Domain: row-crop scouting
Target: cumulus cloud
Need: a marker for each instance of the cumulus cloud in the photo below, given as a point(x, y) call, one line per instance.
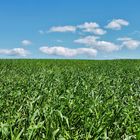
point(92, 27)
point(26, 42)
point(88, 40)
point(93, 42)
point(129, 43)
point(106, 46)
point(117, 24)
point(63, 29)
point(88, 25)
point(14, 52)
point(67, 52)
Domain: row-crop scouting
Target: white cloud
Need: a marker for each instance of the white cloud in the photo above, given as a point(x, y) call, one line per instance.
point(87, 51)
point(106, 46)
point(129, 43)
point(26, 42)
point(99, 31)
point(67, 52)
point(58, 50)
point(93, 42)
point(88, 25)
point(92, 27)
point(63, 29)
point(14, 52)
point(116, 24)
point(88, 40)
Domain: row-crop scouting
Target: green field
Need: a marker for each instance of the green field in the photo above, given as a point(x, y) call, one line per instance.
point(69, 100)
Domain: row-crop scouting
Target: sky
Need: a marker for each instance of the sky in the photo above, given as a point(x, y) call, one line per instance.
point(70, 29)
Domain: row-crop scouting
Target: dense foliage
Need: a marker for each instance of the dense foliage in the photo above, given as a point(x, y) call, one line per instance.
point(69, 100)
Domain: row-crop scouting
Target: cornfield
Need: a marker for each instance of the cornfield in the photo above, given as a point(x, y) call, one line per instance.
point(69, 100)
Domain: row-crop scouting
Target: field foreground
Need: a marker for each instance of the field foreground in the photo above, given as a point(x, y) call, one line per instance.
point(69, 100)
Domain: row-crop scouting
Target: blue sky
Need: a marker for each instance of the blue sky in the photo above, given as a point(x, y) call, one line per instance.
point(72, 29)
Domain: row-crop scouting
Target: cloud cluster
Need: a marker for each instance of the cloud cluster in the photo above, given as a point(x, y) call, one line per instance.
point(92, 27)
point(67, 52)
point(14, 52)
point(129, 43)
point(117, 24)
point(93, 42)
